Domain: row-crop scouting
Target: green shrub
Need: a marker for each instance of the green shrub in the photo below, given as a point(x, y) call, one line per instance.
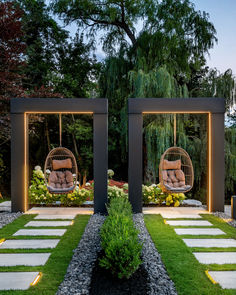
point(154, 194)
point(38, 193)
point(119, 240)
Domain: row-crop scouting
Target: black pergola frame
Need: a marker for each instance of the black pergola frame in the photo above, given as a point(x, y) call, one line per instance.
point(21, 108)
point(213, 107)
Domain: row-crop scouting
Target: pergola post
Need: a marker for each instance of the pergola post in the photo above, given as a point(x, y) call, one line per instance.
point(217, 163)
point(135, 161)
point(19, 162)
point(100, 137)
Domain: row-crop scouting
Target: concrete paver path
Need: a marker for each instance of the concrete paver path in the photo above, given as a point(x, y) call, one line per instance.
point(48, 223)
point(189, 223)
point(216, 257)
point(16, 280)
point(226, 279)
point(40, 232)
point(199, 231)
point(54, 216)
point(29, 244)
point(210, 243)
point(29, 259)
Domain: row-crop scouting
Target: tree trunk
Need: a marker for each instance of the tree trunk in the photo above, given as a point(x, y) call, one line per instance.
point(84, 178)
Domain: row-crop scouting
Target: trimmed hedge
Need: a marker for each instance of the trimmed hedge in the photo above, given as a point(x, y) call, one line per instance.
point(119, 240)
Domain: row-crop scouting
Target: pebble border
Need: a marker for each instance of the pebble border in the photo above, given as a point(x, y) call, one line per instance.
point(78, 277)
point(160, 283)
point(8, 217)
point(226, 218)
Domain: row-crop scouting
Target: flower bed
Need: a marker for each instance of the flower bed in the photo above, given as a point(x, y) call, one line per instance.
point(38, 193)
point(152, 194)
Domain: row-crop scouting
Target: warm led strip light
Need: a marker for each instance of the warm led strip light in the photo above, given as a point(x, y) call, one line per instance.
point(209, 163)
point(2, 241)
point(61, 112)
point(210, 277)
point(178, 112)
point(25, 162)
point(35, 281)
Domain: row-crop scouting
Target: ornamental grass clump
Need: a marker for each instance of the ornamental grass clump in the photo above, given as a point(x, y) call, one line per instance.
point(119, 239)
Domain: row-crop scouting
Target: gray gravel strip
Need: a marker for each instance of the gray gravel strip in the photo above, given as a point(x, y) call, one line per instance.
point(8, 217)
point(78, 277)
point(160, 283)
point(226, 218)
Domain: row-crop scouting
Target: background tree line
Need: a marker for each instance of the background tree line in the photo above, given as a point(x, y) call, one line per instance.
point(165, 58)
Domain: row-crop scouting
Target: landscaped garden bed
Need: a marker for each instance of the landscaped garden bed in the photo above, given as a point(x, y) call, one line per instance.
point(83, 196)
point(103, 282)
point(130, 270)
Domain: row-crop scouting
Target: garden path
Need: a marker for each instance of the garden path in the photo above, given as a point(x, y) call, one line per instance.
point(14, 280)
point(188, 228)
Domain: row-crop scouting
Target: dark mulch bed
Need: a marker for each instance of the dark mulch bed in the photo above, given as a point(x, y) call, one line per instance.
point(103, 283)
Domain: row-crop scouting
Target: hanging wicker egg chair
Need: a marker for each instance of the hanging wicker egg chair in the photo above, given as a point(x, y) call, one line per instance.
point(60, 171)
point(176, 173)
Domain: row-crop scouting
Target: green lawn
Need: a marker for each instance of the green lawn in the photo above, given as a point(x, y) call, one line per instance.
point(186, 272)
point(54, 270)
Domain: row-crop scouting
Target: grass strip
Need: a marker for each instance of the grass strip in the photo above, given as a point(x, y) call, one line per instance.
point(183, 268)
point(54, 270)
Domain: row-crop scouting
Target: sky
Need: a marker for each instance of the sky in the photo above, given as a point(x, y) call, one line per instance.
point(222, 14)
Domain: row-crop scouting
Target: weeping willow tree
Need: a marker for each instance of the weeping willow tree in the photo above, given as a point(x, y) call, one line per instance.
point(158, 129)
point(230, 161)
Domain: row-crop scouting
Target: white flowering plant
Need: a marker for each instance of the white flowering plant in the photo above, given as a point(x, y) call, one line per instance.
point(110, 173)
point(116, 192)
point(38, 193)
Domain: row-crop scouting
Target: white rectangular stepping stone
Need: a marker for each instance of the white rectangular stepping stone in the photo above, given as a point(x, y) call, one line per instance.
point(28, 259)
point(189, 223)
point(29, 244)
point(180, 216)
point(210, 243)
point(226, 279)
point(40, 232)
point(216, 257)
point(48, 223)
point(199, 231)
point(16, 280)
point(54, 216)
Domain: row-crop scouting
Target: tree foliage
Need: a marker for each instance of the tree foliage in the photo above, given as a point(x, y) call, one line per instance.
point(11, 50)
point(43, 38)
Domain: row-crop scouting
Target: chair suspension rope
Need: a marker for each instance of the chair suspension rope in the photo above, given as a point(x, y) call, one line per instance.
point(60, 129)
point(174, 129)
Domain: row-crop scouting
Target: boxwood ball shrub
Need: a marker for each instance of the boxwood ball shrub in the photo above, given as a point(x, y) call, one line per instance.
point(119, 240)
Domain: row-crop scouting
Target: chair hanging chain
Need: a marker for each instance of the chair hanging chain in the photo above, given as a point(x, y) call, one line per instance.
point(60, 128)
point(175, 129)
